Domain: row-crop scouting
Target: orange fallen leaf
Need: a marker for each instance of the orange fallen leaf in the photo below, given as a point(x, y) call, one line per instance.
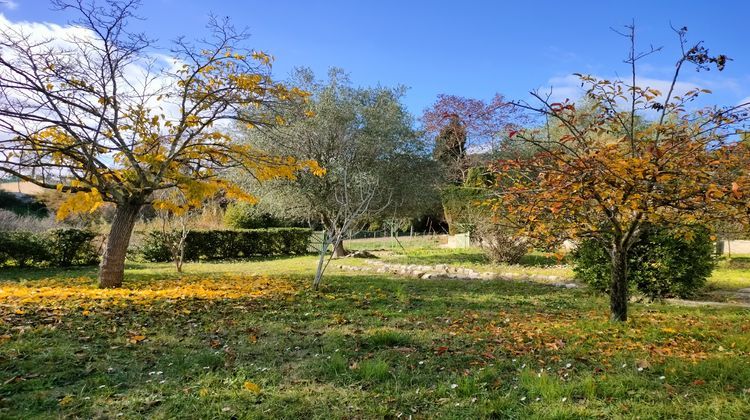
point(252, 387)
point(136, 338)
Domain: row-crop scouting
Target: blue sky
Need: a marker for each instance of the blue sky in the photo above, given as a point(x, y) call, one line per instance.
point(470, 48)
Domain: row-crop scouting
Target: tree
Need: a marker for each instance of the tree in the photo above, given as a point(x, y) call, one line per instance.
point(462, 125)
point(376, 164)
point(633, 157)
point(98, 115)
point(450, 148)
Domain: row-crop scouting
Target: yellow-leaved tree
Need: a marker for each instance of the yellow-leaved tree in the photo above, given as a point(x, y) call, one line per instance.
point(99, 115)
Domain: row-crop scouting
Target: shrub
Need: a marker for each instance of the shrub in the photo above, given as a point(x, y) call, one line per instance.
point(57, 248)
point(22, 249)
point(229, 244)
point(499, 245)
point(70, 246)
point(155, 247)
point(660, 263)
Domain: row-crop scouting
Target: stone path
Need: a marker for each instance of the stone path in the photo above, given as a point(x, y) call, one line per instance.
point(445, 271)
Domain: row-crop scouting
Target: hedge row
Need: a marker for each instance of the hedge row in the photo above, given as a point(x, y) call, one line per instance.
point(228, 244)
point(54, 248)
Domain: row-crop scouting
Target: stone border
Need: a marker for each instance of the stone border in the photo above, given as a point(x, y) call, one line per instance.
point(445, 271)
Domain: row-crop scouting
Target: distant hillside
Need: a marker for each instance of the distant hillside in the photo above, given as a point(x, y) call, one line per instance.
point(22, 187)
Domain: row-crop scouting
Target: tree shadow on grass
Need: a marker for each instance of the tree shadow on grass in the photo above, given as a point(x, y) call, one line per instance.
point(737, 263)
point(540, 260)
point(38, 273)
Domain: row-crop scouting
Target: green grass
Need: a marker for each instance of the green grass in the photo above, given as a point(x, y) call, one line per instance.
point(365, 346)
point(728, 275)
point(731, 274)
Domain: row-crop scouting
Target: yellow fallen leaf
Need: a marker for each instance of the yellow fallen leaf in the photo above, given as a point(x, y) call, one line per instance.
point(203, 392)
point(86, 313)
point(252, 387)
point(136, 338)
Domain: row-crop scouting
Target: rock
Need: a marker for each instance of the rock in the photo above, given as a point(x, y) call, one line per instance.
point(427, 276)
point(360, 254)
point(571, 285)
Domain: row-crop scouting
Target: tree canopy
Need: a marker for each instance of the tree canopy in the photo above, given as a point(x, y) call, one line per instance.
point(364, 139)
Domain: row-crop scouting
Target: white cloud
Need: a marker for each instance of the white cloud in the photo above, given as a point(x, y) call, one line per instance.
point(142, 76)
point(569, 87)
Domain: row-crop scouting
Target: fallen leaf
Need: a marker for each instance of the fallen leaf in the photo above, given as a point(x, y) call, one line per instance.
point(136, 338)
point(252, 387)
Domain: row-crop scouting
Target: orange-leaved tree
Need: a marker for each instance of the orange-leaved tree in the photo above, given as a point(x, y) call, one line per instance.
point(629, 157)
point(98, 114)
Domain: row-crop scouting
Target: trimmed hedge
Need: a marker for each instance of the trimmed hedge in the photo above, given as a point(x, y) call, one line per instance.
point(55, 248)
point(660, 264)
point(229, 244)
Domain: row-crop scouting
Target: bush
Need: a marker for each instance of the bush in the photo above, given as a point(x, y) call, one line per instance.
point(56, 248)
point(241, 215)
point(500, 246)
point(660, 264)
point(69, 246)
point(155, 247)
point(22, 249)
point(229, 244)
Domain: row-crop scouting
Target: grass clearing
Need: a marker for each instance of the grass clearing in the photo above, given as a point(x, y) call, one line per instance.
point(365, 346)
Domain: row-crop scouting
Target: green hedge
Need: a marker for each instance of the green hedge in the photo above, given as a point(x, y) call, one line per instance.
point(660, 264)
point(228, 244)
point(55, 248)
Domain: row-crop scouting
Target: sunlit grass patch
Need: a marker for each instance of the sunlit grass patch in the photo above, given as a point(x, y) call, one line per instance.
point(83, 291)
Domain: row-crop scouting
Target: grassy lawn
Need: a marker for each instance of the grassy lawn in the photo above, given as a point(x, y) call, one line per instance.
point(250, 340)
point(728, 275)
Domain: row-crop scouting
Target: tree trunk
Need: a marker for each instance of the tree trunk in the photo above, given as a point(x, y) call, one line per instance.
point(112, 269)
point(618, 294)
point(339, 250)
